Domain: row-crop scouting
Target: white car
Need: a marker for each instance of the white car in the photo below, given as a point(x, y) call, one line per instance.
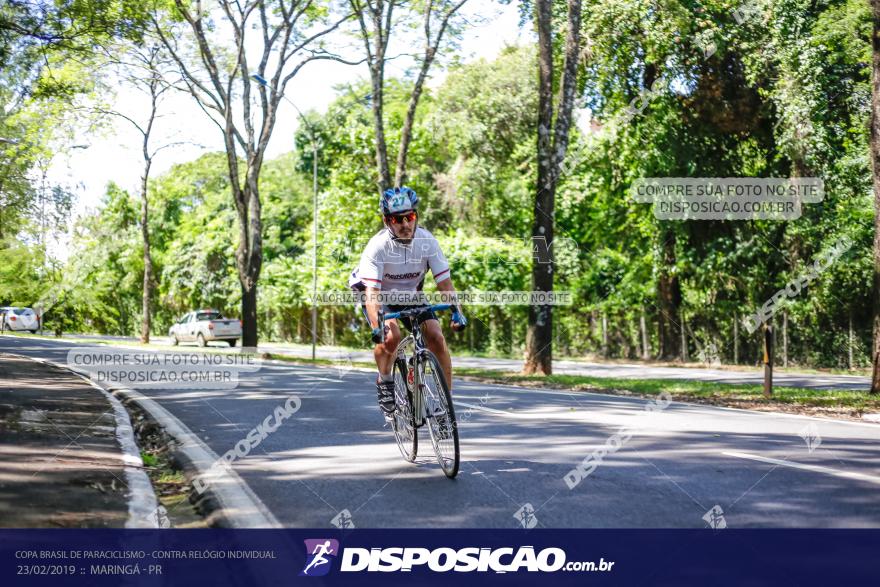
point(20, 319)
point(203, 326)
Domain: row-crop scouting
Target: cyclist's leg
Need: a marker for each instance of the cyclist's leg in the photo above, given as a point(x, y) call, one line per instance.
point(436, 343)
point(385, 353)
point(381, 353)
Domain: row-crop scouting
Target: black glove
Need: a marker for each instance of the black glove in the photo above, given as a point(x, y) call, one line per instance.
point(459, 322)
point(378, 336)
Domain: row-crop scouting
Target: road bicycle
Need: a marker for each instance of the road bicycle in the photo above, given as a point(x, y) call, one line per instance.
point(421, 395)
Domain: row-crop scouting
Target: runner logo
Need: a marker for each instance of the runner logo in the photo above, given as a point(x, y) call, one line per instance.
point(320, 553)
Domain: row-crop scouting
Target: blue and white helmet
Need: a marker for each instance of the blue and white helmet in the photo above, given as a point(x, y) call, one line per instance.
point(397, 200)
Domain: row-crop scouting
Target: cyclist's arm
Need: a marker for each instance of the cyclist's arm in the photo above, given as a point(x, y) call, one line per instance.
point(446, 286)
point(372, 304)
point(370, 274)
point(437, 263)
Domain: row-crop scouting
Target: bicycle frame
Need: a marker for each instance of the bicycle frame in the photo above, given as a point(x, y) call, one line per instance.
point(418, 400)
point(420, 409)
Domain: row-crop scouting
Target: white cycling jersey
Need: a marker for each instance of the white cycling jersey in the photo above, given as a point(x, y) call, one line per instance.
point(390, 265)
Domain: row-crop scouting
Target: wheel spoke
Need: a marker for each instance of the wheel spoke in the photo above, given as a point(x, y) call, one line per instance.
point(441, 422)
point(402, 421)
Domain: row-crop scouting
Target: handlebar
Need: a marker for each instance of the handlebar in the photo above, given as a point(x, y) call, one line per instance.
point(413, 312)
point(409, 313)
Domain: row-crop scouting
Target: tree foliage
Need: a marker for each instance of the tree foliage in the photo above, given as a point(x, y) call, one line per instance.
point(689, 90)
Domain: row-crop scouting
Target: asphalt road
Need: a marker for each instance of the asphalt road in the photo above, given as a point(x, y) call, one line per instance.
point(676, 465)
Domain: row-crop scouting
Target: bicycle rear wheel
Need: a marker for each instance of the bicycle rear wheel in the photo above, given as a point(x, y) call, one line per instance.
point(441, 413)
point(403, 421)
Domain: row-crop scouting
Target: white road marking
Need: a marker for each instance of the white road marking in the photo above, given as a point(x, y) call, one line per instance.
point(471, 386)
point(553, 413)
point(813, 468)
point(648, 423)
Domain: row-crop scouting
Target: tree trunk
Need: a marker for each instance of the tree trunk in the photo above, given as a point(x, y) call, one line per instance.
point(539, 338)
point(249, 256)
point(604, 336)
point(409, 121)
point(249, 317)
point(736, 340)
point(646, 352)
point(851, 343)
point(148, 261)
point(155, 92)
point(375, 37)
point(593, 325)
point(785, 339)
point(684, 343)
point(768, 336)
point(551, 146)
point(431, 46)
point(635, 337)
point(875, 160)
point(384, 174)
point(669, 301)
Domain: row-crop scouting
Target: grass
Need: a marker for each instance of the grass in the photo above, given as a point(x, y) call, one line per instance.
point(149, 460)
point(790, 399)
point(169, 477)
point(855, 402)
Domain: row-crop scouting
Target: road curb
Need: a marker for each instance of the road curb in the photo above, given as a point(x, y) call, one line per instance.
point(230, 501)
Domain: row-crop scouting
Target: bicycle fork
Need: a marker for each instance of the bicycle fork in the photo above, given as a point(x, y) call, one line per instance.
point(413, 380)
point(418, 394)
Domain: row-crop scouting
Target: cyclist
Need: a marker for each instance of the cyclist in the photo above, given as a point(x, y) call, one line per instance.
point(397, 259)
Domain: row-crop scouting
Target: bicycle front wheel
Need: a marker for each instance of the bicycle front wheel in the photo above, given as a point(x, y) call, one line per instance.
point(403, 421)
point(441, 413)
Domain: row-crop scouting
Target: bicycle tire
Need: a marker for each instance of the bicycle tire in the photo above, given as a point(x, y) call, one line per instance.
point(403, 421)
point(443, 430)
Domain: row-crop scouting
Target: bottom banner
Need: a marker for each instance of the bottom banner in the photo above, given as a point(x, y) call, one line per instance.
point(469, 557)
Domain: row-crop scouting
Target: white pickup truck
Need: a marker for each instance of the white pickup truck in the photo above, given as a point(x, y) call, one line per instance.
point(203, 326)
